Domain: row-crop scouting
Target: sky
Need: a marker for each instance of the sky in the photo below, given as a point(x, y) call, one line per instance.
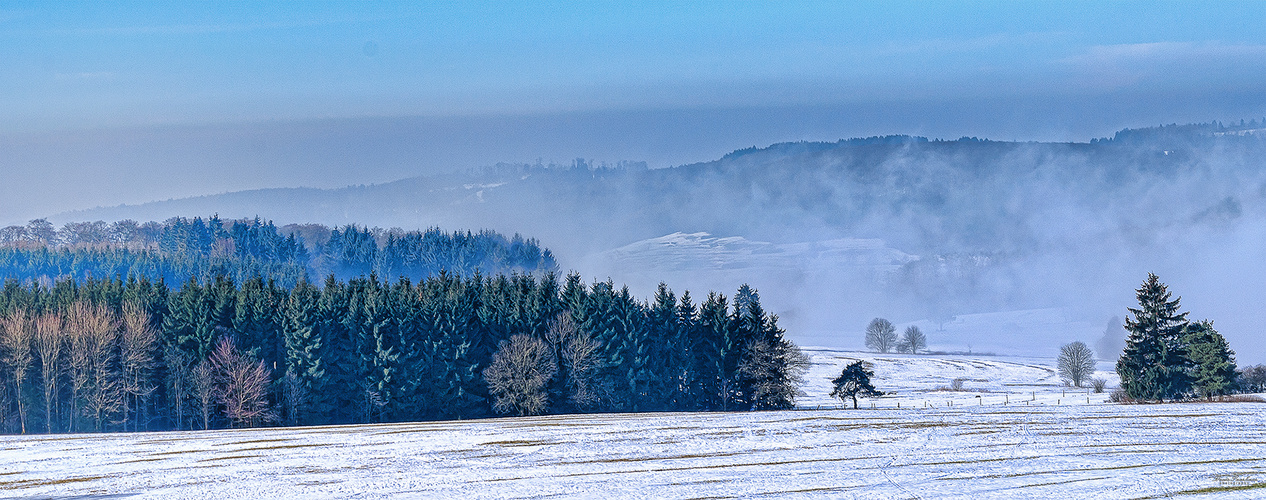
point(113, 102)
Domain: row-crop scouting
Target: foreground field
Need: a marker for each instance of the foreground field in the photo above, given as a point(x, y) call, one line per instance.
point(968, 452)
point(1025, 436)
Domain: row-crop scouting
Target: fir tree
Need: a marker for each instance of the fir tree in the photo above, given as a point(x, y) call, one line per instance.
point(1154, 363)
point(303, 347)
point(1213, 370)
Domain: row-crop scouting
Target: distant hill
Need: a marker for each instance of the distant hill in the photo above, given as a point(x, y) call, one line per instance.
point(989, 225)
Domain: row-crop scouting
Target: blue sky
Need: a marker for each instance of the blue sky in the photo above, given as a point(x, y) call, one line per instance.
point(106, 64)
point(120, 88)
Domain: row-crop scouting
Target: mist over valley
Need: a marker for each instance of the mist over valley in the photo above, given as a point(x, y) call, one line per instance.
point(836, 233)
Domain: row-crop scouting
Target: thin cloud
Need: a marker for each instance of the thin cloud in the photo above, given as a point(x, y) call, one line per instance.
point(1125, 65)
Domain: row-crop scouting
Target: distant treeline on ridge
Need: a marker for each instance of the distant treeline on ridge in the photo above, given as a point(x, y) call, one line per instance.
point(179, 249)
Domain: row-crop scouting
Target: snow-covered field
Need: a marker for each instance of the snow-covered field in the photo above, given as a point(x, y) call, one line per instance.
point(1053, 446)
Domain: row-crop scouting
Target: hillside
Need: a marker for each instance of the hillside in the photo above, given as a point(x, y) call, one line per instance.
point(984, 226)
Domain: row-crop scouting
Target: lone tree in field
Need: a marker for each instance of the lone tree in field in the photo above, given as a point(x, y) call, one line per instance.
point(1213, 362)
point(854, 381)
point(519, 376)
point(1154, 363)
point(913, 341)
point(1076, 363)
point(881, 335)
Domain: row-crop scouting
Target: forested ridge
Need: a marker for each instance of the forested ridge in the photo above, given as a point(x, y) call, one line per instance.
point(181, 248)
point(136, 355)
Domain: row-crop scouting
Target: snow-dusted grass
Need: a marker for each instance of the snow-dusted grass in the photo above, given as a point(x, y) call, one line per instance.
point(925, 380)
point(1039, 450)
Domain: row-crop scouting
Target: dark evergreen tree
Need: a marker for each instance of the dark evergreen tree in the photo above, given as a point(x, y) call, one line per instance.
point(303, 348)
point(1213, 371)
point(710, 387)
point(854, 381)
point(668, 356)
point(1154, 365)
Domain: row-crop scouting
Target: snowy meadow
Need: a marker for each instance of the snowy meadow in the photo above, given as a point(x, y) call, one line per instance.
point(1026, 436)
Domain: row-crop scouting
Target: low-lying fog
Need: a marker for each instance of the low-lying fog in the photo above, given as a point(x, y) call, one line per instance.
point(834, 234)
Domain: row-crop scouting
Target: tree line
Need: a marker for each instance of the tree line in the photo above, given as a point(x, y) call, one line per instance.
point(181, 248)
point(134, 354)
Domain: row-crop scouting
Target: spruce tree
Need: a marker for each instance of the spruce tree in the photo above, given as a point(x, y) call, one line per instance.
point(1212, 360)
point(667, 350)
point(1154, 363)
point(303, 348)
point(709, 352)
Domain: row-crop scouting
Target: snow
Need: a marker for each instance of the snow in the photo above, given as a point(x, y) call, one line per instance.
point(1027, 332)
point(973, 449)
point(922, 380)
point(700, 252)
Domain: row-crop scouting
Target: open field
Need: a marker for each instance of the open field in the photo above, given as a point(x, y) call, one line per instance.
point(940, 451)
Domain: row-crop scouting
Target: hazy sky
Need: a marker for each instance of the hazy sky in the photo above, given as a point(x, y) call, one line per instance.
point(158, 100)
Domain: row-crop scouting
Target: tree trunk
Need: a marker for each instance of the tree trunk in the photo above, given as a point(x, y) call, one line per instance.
point(854, 401)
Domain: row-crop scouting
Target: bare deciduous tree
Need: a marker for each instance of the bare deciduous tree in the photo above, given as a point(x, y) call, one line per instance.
point(99, 332)
point(1253, 378)
point(881, 335)
point(517, 378)
point(243, 382)
point(578, 356)
point(78, 322)
point(775, 368)
point(294, 397)
point(914, 340)
point(15, 338)
point(49, 339)
point(205, 390)
point(179, 375)
point(1076, 362)
point(137, 358)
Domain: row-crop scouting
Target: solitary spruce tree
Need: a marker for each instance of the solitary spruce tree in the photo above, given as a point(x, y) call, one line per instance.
point(1154, 363)
point(854, 381)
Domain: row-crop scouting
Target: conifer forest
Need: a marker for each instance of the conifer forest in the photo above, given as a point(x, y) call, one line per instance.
point(134, 351)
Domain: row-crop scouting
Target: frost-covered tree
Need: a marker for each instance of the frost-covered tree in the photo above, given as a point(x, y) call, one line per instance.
point(16, 334)
point(914, 340)
point(136, 358)
point(1154, 363)
point(881, 335)
point(519, 376)
point(577, 356)
point(1212, 360)
point(1076, 363)
point(242, 385)
point(49, 340)
point(1253, 378)
point(854, 381)
point(205, 391)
